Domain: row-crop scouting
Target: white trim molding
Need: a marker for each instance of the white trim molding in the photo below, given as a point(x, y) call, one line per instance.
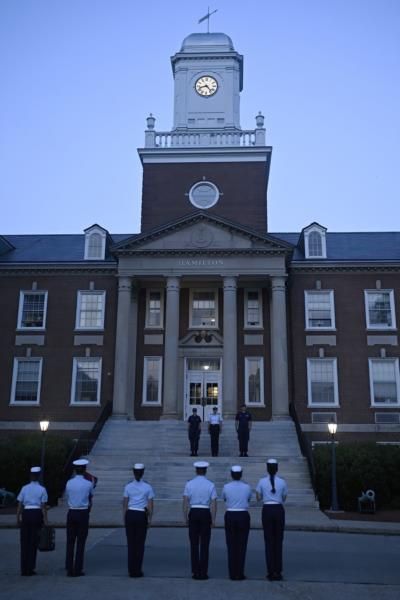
point(377, 325)
point(38, 381)
point(260, 361)
point(391, 367)
point(323, 379)
point(22, 295)
point(149, 325)
point(83, 359)
point(204, 324)
point(311, 314)
point(158, 371)
point(248, 323)
point(84, 293)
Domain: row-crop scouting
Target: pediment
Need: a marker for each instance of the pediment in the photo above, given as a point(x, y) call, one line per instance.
point(202, 338)
point(202, 233)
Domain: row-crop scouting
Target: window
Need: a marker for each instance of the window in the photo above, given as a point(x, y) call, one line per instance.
point(254, 381)
point(27, 374)
point(253, 308)
point(315, 241)
point(204, 194)
point(379, 309)
point(320, 313)
point(384, 381)
point(86, 380)
point(95, 243)
point(322, 382)
point(32, 310)
point(154, 308)
point(90, 310)
point(152, 374)
point(204, 311)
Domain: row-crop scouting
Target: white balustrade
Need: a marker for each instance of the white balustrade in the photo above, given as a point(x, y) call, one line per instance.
point(204, 138)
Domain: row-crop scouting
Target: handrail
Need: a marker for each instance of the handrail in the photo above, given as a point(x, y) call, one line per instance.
point(304, 447)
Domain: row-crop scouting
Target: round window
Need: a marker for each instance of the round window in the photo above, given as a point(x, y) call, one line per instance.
point(204, 194)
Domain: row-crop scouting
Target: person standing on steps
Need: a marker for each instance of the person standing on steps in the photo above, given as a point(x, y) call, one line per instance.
point(137, 509)
point(79, 492)
point(272, 490)
point(237, 495)
point(31, 514)
point(200, 496)
point(243, 423)
point(194, 432)
point(214, 429)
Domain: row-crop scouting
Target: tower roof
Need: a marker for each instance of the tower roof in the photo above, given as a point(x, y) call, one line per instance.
point(207, 42)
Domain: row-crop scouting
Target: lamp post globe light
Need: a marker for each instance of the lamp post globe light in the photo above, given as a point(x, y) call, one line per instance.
point(332, 426)
point(44, 425)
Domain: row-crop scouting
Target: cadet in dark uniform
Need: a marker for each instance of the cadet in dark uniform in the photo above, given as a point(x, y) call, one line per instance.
point(31, 514)
point(194, 431)
point(243, 427)
point(137, 511)
point(201, 496)
point(272, 490)
point(214, 429)
point(237, 495)
point(78, 494)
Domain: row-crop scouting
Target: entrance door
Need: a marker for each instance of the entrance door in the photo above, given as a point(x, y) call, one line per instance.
point(203, 387)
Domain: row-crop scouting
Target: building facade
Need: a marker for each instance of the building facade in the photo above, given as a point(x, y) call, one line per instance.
point(204, 307)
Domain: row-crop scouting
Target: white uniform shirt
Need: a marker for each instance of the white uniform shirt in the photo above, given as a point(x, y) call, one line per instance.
point(32, 495)
point(138, 493)
point(200, 491)
point(78, 491)
point(264, 489)
point(215, 419)
point(237, 495)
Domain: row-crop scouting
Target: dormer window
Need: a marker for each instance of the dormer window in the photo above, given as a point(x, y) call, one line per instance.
point(315, 241)
point(95, 243)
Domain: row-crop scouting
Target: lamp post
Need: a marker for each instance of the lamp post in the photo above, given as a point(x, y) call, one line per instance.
point(44, 425)
point(332, 426)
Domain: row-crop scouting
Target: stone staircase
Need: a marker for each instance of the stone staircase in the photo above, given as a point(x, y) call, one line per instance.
point(164, 448)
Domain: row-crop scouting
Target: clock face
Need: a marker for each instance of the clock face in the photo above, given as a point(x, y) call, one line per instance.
point(206, 86)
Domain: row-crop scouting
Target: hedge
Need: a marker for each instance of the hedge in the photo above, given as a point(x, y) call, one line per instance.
point(359, 467)
point(19, 453)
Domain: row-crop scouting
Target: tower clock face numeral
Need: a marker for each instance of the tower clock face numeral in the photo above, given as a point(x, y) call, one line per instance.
point(206, 86)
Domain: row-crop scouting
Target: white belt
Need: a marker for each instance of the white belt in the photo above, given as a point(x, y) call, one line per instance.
point(139, 509)
point(78, 508)
point(271, 502)
point(30, 507)
point(236, 510)
point(199, 506)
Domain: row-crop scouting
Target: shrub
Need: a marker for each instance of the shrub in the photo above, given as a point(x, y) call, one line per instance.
point(359, 467)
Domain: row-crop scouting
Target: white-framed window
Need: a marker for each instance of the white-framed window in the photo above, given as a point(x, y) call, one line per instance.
point(379, 309)
point(254, 381)
point(253, 309)
point(95, 243)
point(155, 308)
point(204, 308)
point(319, 309)
point(204, 194)
point(90, 310)
point(152, 381)
point(32, 310)
point(26, 380)
point(86, 381)
point(384, 379)
point(315, 241)
point(322, 382)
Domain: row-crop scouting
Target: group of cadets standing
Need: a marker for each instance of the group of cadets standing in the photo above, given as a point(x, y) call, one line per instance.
point(199, 511)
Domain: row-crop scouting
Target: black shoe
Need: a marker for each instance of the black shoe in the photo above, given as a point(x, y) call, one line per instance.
point(70, 574)
point(277, 577)
point(80, 574)
point(270, 577)
point(202, 577)
point(241, 578)
point(245, 454)
point(140, 574)
point(32, 573)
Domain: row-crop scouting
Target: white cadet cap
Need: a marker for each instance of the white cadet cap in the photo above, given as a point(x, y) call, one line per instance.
point(201, 464)
point(272, 461)
point(138, 466)
point(81, 462)
point(236, 469)
point(35, 469)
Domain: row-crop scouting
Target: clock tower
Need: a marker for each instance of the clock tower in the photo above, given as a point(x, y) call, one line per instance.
point(206, 161)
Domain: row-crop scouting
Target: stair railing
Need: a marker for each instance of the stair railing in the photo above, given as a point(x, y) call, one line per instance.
point(305, 447)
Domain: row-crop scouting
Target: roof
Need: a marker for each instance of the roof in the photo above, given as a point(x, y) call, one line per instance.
point(207, 42)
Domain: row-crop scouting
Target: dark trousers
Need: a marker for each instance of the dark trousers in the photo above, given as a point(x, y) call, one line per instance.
point(273, 522)
point(199, 535)
point(214, 434)
point(237, 527)
point(31, 523)
point(194, 442)
point(77, 532)
point(136, 531)
point(243, 437)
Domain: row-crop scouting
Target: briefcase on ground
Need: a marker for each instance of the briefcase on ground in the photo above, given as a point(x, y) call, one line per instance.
point(47, 539)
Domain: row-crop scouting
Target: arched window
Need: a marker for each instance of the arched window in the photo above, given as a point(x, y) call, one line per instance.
point(315, 244)
point(95, 246)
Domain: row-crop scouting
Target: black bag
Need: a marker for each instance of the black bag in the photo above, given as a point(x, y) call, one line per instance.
point(47, 539)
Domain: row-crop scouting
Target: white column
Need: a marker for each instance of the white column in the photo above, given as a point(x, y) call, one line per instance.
point(133, 325)
point(229, 372)
point(279, 356)
point(170, 388)
point(121, 348)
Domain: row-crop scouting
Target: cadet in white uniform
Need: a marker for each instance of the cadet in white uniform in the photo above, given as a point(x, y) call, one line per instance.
point(137, 511)
point(237, 495)
point(78, 493)
point(214, 429)
point(272, 490)
point(201, 496)
point(31, 514)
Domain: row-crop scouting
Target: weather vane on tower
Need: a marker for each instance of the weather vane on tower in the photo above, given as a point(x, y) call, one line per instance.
point(207, 18)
